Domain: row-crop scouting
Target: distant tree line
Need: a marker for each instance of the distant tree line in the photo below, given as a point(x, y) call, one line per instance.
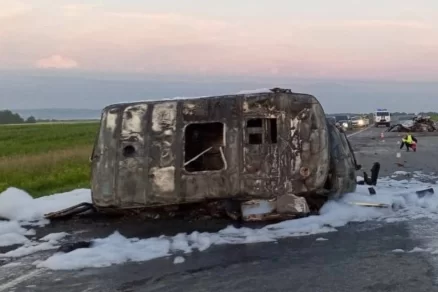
point(8, 117)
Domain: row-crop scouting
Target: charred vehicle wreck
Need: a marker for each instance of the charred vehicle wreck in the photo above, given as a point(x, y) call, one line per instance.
point(258, 156)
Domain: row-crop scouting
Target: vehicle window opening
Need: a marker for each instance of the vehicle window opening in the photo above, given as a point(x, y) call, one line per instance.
point(262, 131)
point(255, 131)
point(272, 131)
point(203, 147)
point(128, 151)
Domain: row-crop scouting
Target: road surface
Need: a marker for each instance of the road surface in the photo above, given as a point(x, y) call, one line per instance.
point(357, 258)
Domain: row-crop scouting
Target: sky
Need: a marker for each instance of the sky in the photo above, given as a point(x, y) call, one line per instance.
point(250, 42)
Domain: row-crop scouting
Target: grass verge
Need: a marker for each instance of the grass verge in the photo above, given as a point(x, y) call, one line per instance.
point(46, 159)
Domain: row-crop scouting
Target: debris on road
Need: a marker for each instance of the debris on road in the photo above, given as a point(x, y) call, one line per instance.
point(372, 181)
point(179, 260)
point(418, 124)
point(69, 247)
point(358, 206)
point(363, 204)
point(71, 211)
point(400, 164)
point(321, 239)
point(422, 193)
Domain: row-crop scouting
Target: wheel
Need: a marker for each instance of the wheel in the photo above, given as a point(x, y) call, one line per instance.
point(388, 125)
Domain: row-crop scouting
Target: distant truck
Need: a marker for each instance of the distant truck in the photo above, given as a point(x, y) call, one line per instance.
point(382, 117)
point(257, 156)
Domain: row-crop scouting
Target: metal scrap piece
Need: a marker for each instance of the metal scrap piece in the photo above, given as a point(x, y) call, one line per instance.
point(257, 210)
point(425, 192)
point(378, 205)
point(291, 204)
point(286, 206)
point(417, 124)
point(71, 211)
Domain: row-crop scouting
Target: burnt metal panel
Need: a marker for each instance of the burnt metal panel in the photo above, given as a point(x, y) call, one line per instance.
point(318, 149)
point(261, 173)
point(177, 146)
point(304, 132)
point(302, 145)
point(342, 164)
point(217, 183)
point(232, 147)
point(161, 173)
point(130, 180)
point(195, 110)
point(209, 109)
point(239, 145)
point(104, 161)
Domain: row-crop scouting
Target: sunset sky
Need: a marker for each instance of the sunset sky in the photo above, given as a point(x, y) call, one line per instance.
point(392, 40)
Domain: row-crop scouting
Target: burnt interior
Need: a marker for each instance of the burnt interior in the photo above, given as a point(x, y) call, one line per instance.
point(128, 151)
point(198, 138)
point(272, 133)
point(262, 131)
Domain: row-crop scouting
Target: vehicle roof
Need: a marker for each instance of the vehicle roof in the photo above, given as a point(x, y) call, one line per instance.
point(231, 95)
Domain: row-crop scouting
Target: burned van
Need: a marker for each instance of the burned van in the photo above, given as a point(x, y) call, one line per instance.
point(259, 155)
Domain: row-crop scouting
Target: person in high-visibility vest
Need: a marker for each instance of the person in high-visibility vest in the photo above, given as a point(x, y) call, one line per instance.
point(409, 141)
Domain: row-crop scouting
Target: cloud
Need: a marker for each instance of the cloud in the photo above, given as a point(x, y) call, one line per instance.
point(56, 61)
point(73, 10)
point(389, 23)
point(369, 23)
point(12, 8)
point(364, 23)
point(173, 43)
point(137, 38)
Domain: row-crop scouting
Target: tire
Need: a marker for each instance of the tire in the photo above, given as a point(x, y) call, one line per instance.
point(388, 125)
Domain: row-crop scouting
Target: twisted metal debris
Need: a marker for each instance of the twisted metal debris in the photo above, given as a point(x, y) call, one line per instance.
point(417, 124)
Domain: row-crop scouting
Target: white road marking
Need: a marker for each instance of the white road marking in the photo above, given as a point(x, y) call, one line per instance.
point(355, 133)
point(19, 280)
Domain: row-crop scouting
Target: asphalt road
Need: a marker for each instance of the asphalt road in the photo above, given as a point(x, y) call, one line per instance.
point(357, 258)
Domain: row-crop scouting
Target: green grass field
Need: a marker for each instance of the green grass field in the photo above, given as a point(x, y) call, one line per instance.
point(43, 159)
point(434, 117)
